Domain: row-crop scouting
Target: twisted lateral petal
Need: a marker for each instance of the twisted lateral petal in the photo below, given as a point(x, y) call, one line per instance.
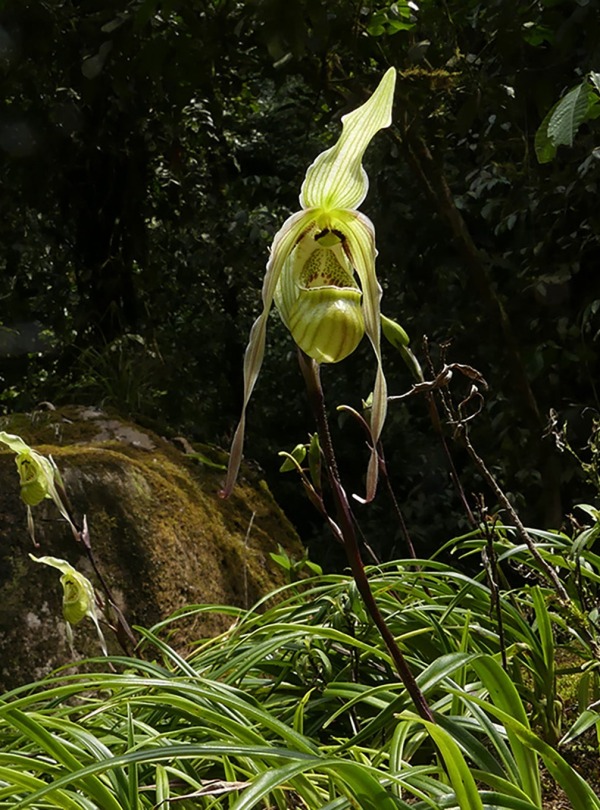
point(360, 240)
point(283, 244)
point(337, 179)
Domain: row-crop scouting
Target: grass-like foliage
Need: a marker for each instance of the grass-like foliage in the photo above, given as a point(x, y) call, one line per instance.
point(298, 704)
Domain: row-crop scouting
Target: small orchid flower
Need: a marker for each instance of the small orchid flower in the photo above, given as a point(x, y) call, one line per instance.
point(79, 599)
point(315, 260)
point(39, 478)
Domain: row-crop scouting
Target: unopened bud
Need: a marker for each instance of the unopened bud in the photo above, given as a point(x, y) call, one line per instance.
point(394, 333)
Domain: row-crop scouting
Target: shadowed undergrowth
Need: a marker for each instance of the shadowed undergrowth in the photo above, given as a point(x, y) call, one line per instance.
point(297, 704)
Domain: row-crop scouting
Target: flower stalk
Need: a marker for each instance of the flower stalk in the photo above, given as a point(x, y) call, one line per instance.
point(345, 521)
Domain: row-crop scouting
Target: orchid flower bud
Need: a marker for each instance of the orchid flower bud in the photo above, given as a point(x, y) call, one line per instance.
point(394, 333)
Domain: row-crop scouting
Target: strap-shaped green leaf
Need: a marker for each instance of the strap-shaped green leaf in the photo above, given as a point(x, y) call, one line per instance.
point(459, 773)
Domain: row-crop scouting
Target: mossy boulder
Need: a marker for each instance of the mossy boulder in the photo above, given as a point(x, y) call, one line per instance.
point(161, 536)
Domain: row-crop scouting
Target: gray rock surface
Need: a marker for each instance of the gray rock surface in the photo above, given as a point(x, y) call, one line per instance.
point(161, 536)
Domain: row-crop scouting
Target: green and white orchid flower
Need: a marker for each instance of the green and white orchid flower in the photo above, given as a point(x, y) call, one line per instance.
point(39, 478)
point(312, 269)
point(79, 599)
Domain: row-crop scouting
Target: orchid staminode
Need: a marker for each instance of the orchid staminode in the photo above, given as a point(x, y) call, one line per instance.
point(315, 260)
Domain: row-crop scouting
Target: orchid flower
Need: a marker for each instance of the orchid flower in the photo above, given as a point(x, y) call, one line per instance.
point(39, 478)
point(79, 599)
point(314, 261)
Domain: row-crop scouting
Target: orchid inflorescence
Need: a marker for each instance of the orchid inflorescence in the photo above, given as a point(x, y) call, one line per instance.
point(39, 478)
point(312, 271)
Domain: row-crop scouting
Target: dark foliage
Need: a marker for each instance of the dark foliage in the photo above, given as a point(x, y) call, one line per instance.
point(150, 150)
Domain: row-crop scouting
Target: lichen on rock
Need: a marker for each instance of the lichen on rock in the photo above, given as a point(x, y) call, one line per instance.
point(161, 536)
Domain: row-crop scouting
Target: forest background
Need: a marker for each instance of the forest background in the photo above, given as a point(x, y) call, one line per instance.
point(150, 151)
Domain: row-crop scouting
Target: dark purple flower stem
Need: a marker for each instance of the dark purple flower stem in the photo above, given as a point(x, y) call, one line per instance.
point(311, 372)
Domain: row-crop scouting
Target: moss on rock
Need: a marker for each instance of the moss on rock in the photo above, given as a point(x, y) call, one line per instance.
point(161, 536)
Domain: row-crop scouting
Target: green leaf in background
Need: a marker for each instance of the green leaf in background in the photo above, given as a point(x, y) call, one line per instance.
point(561, 123)
point(586, 720)
point(568, 115)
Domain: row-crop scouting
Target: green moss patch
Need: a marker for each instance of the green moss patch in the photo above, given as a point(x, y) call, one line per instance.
point(162, 537)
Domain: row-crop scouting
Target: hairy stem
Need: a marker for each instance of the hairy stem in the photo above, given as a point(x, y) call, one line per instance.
point(310, 371)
